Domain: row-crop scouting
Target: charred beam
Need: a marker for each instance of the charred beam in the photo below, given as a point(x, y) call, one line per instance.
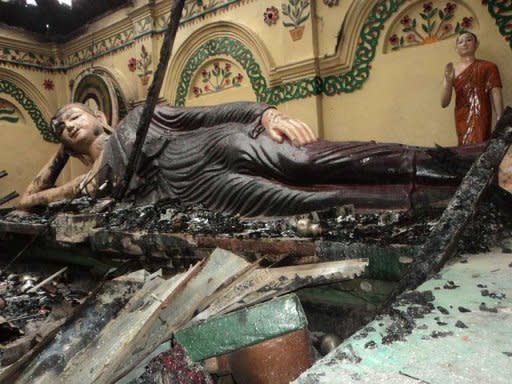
point(3, 174)
point(442, 242)
point(8, 197)
point(154, 91)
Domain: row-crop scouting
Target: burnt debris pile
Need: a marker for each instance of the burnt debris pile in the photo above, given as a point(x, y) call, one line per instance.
point(27, 306)
point(491, 220)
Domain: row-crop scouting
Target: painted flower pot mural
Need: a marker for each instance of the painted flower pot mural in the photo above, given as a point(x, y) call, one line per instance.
point(142, 65)
point(295, 11)
point(297, 33)
point(217, 77)
point(435, 24)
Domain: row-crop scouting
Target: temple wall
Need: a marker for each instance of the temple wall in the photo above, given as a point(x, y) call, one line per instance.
point(341, 66)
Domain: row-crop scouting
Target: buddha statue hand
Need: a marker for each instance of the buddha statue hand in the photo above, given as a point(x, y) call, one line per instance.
point(280, 126)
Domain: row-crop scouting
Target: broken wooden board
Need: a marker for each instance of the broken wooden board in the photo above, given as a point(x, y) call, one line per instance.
point(149, 319)
point(99, 307)
point(263, 284)
point(75, 228)
point(248, 326)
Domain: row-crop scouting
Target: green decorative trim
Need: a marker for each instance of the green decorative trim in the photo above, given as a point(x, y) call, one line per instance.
point(9, 115)
point(346, 82)
point(94, 86)
point(331, 85)
point(37, 117)
point(223, 46)
point(365, 52)
point(501, 11)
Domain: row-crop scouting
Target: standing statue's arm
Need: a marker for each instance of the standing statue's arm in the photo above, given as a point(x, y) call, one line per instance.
point(497, 101)
point(447, 88)
point(42, 191)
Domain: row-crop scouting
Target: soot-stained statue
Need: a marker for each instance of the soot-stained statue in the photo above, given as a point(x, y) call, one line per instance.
point(240, 158)
point(477, 86)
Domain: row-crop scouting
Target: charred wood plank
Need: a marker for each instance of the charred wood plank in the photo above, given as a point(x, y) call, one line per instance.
point(442, 242)
point(3, 173)
point(264, 284)
point(153, 93)
point(148, 320)
point(8, 197)
point(91, 316)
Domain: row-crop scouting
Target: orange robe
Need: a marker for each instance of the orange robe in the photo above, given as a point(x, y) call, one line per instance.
point(473, 110)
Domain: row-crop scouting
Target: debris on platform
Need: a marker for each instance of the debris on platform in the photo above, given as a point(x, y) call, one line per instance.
point(104, 342)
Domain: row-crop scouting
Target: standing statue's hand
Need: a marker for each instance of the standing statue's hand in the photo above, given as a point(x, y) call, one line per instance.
point(280, 126)
point(449, 73)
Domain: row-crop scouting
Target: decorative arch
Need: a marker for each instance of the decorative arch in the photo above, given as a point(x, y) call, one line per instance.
point(354, 58)
point(216, 39)
point(21, 90)
point(222, 46)
point(99, 85)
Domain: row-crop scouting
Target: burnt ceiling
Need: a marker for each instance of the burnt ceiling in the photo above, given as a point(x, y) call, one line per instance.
point(53, 20)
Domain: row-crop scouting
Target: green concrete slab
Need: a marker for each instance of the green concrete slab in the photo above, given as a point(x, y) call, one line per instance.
point(438, 350)
point(226, 333)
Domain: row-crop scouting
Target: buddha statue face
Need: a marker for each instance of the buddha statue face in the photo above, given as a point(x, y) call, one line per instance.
point(466, 44)
point(77, 128)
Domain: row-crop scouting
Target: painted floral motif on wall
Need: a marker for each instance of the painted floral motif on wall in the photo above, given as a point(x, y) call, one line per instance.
point(217, 76)
point(143, 26)
point(271, 15)
point(142, 65)
point(431, 22)
point(296, 12)
point(20, 57)
point(8, 113)
point(49, 85)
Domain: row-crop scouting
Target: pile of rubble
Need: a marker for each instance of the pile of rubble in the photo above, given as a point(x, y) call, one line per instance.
point(341, 224)
point(31, 301)
point(115, 328)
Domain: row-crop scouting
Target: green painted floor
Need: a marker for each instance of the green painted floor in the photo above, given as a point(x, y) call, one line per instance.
point(437, 351)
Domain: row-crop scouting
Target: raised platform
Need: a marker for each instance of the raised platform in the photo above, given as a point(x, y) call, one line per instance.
point(460, 332)
point(87, 238)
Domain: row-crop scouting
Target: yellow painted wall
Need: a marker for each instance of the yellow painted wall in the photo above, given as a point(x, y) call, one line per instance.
point(398, 103)
point(401, 100)
point(24, 153)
